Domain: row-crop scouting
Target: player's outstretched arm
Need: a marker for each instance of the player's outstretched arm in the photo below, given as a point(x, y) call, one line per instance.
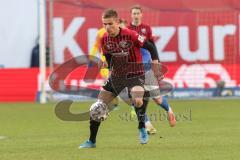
point(152, 49)
point(156, 66)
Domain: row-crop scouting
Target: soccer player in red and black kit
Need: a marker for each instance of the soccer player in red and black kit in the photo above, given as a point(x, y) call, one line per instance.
point(121, 47)
point(145, 30)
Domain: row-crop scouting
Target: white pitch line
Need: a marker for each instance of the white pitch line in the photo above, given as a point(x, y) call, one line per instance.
point(3, 137)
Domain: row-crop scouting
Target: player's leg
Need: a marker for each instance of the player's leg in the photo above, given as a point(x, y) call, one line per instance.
point(148, 87)
point(137, 93)
point(141, 115)
point(162, 101)
point(146, 59)
point(152, 85)
point(105, 97)
point(148, 125)
point(104, 72)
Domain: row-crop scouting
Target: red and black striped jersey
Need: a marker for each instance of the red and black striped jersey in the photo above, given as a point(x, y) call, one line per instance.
point(143, 29)
point(122, 52)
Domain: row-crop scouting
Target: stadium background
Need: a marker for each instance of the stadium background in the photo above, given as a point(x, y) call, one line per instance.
point(197, 40)
point(189, 36)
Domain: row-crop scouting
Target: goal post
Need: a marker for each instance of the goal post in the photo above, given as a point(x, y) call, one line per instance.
point(42, 54)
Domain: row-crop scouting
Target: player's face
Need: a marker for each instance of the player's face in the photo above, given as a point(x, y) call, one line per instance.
point(136, 15)
point(111, 25)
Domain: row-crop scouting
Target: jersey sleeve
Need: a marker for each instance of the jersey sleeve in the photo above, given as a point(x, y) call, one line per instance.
point(96, 49)
point(96, 46)
point(138, 40)
point(149, 35)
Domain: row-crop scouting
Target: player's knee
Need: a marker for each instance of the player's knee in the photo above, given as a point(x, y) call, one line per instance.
point(138, 102)
point(158, 100)
point(137, 92)
point(137, 89)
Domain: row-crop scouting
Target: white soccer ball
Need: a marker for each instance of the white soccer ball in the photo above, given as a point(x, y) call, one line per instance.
point(99, 111)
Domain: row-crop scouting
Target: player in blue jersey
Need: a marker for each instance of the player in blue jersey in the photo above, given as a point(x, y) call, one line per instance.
point(145, 30)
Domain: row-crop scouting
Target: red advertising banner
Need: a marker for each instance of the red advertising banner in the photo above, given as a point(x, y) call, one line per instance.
point(180, 76)
point(19, 85)
point(199, 48)
point(197, 40)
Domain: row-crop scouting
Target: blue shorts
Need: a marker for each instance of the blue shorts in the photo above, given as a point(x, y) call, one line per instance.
point(146, 59)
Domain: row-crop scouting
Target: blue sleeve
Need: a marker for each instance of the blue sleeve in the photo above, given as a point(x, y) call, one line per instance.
point(146, 59)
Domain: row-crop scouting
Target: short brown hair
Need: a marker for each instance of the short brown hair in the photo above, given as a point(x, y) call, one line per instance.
point(109, 13)
point(136, 7)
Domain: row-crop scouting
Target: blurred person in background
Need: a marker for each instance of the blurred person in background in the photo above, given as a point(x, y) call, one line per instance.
point(36, 54)
point(145, 30)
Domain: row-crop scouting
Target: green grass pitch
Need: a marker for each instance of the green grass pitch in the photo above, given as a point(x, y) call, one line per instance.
point(206, 130)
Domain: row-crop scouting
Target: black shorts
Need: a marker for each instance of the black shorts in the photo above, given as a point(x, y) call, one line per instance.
point(116, 85)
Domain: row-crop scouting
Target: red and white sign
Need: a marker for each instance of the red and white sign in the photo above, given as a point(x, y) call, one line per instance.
point(199, 48)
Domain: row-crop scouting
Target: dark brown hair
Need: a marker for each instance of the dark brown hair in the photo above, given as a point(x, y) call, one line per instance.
point(109, 13)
